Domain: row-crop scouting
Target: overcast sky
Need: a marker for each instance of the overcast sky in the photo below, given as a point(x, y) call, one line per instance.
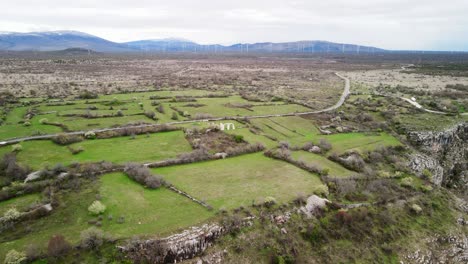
point(391, 24)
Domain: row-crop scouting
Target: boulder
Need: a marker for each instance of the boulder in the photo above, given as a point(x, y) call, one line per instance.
point(315, 149)
point(313, 205)
point(33, 176)
point(221, 155)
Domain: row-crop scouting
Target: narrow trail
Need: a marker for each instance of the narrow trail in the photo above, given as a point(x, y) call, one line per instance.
point(340, 102)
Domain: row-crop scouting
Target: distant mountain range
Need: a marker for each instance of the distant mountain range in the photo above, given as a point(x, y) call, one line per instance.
point(62, 40)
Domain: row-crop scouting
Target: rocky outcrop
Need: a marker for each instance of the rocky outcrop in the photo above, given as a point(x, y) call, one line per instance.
point(420, 163)
point(313, 205)
point(441, 249)
point(444, 154)
point(175, 248)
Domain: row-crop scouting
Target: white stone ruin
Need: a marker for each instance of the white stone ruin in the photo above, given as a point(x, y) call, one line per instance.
point(226, 126)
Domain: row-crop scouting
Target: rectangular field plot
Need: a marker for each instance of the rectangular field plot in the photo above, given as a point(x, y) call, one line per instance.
point(143, 148)
point(360, 142)
point(238, 181)
point(293, 129)
point(146, 212)
point(219, 107)
point(335, 169)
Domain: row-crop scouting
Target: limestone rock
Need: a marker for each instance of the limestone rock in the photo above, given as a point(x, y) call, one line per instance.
point(313, 205)
point(315, 149)
point(33, 176)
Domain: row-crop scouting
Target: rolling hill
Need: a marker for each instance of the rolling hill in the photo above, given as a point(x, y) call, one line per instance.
point(61, 40)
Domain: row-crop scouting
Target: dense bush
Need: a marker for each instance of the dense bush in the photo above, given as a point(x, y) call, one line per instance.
point(90, 135)
point(150, 115)
point(75, 151)
point(324, 145)
point(174, 116)
point(11, 214)
point(143, 175)
point(87, 95)
point(67, 139)
point(97, 208)
point(92, 238)
point(127, 131)
point(16, 148)
point(57, 246)
point(245, 149)
point(11, 170)
point(352, 162)
point(15, 257)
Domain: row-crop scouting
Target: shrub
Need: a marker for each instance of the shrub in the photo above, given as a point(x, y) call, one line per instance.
point(27, 123)
point(90, 135)
point(92, 238)
point(269, 201)
point(43, 121)
point(77, 150)
point(16, 148)
point(33, 251)
point(121, 220)
point(153, 182)
point(427, 174)
point(15, 257)
point(416, 208)
point(200, 116)
point(87, 95)
point(57, 246)
point(238, 138)
point(353, 162)
point(160, 109)
point(407, 182)
point(143, 175)
point(66, 139)
point(11, 169)
point(97, 208)
point(11, 215)
point(174, 116)
point(150, 114)
point(324, 145)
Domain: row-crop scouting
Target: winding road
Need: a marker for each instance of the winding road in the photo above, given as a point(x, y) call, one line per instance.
point(340, 102)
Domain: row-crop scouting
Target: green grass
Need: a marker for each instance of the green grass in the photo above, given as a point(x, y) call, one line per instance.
point(241, 180)
point(293, 129)
point(359, 141)
point(159, 211)
point(216, 107)
point(147, 212)
point(69, 219)
point(12, 129)
point(430, 122)
point(20, 203)
point(158, 146)
point(335, 169)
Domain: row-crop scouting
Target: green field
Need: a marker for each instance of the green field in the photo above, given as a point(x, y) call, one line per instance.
point(239, 181)
point(293, 129)
point(69, 219)
point(147, 212)
point(359, 141)
point(20, 203)
point(335, 169)
point(143, 148)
